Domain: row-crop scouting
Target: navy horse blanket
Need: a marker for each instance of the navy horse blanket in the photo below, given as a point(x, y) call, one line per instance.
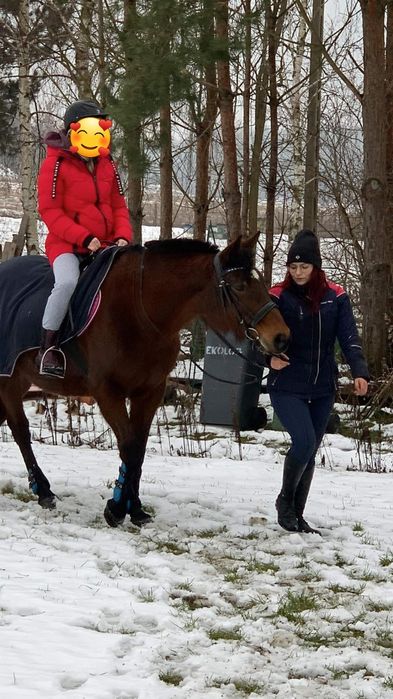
point(25, 284)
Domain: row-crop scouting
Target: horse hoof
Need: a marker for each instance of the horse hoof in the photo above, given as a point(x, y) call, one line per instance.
point(111, 518)
point(48, 502)
point(140, 518)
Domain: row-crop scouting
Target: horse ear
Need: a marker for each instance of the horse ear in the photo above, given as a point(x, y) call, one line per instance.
point(250, 242)
point(231, 250)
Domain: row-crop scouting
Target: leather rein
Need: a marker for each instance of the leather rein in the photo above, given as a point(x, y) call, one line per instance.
point(229, 297)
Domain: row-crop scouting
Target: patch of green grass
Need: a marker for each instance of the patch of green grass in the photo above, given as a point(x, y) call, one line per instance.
point(218, 682)
point(210, 533)
point(186, 585)
point(146, 595)
point(171, 547)
point(340, 636)
point(225, 635)
point(386, 559)
point(384, 638)
point(246, 439)
point(358, 528)
point(307, 575)
point(233, 576)
point(22, 494)
point(370, 540)
point(192, 602)
point(276, 552)
point(340, 561)
point(7, 488)
point(378, 606)
point(388, 682)
point(338, 589)
point(149, 509)
point(250, 536)
point(172, 678)
point(255, 566)
point(202, 436)
point(317, 640)
point(248, 687)
point(292, 605)
point(336, 673)
point(367, 575)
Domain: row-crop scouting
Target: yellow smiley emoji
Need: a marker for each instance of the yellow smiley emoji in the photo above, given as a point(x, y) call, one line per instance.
point(90, 137)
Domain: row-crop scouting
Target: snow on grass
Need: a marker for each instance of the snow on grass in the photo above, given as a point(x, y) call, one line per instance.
point(213, 599)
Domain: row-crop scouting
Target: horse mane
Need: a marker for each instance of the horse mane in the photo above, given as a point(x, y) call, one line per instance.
point(181, 246)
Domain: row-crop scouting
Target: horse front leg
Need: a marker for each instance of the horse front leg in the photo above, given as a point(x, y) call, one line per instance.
point(132, 432)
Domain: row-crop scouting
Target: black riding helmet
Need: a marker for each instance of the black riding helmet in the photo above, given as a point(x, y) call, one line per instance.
point(80, 110)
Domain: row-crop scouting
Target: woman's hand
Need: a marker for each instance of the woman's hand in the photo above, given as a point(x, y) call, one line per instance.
point(121, 242)
point(360, 387)
point(279, 362)
point(94, 245)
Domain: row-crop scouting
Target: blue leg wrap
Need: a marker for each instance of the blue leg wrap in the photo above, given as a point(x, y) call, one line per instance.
point(33, 485)
point(117, 490)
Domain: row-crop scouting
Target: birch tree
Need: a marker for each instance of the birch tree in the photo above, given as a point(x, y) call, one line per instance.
point(26, 138)
point(232, 196)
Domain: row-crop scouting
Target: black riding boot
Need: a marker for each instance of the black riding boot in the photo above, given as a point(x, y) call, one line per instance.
point(50, 359)
point(285, 503)
point(301, 496)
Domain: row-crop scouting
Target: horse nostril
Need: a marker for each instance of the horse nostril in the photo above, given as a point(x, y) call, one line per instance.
point(281, 342)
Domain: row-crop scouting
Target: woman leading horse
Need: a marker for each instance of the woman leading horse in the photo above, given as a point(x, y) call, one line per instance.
point(132, 344)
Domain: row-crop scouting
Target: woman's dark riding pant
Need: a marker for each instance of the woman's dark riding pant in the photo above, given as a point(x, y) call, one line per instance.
point(305, 421)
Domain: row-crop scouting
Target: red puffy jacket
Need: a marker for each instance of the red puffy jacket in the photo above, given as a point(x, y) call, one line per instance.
point(77, 204)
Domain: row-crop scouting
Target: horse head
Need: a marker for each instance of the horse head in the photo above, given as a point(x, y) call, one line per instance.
point(244, 293)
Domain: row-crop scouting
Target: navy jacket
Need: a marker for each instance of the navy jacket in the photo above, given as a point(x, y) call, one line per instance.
point(312, 371)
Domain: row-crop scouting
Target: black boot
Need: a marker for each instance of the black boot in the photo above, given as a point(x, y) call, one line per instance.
point(50, 360)
point(285, 503)
point(301, 496)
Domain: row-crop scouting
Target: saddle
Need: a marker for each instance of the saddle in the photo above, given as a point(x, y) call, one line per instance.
point(25, 284)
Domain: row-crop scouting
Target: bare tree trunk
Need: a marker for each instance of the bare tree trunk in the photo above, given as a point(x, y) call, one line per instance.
point(135, 174)
point(26, 139)
point(82, 51)
point(231, 182)
point(376, 254)
point(261, 88)
point(204, 131)
point(273, 28)
point(246, 120)
point(166, 171)
point(272, 177)
point(389, 166)
point(313, 119)
point(101, 55)
point(296, 207)
point(135, 195)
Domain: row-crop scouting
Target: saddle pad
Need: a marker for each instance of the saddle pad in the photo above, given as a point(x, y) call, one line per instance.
point(25, 284)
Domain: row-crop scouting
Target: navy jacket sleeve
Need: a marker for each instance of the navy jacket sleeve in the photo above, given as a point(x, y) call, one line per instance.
point(348, 337)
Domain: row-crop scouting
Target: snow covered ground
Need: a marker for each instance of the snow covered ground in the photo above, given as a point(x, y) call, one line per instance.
point(211, 600)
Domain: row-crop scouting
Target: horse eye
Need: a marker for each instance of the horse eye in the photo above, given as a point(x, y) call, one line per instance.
point(239, 286)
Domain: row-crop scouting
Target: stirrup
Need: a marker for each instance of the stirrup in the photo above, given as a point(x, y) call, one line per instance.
point(53, 371)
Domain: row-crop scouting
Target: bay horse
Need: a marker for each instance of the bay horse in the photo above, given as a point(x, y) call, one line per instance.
point(128, 350)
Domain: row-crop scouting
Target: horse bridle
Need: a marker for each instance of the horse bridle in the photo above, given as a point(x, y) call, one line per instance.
point(229, 297)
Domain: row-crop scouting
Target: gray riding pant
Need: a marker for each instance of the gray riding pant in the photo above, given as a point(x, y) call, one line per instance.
point(66, 271)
